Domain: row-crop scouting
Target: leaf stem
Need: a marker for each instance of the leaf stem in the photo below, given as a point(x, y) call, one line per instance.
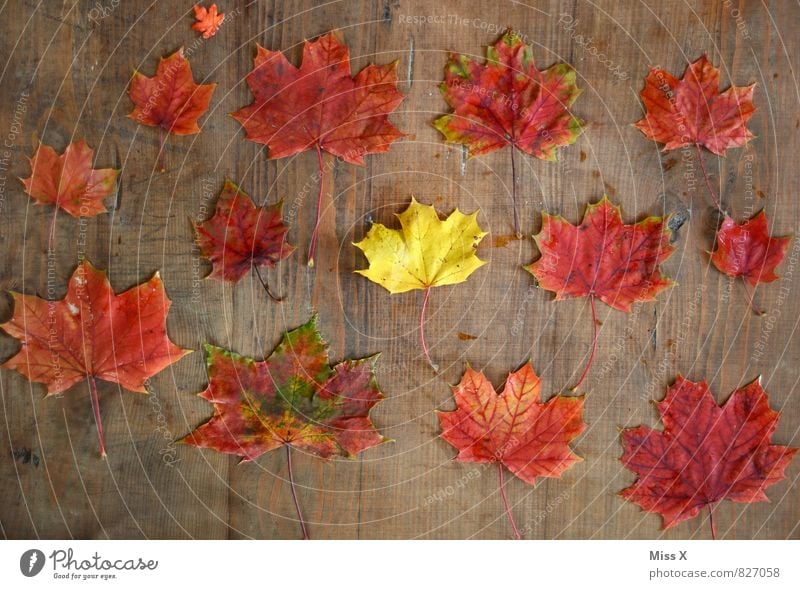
point(714, 197)
point(51, 234)
point(594, 345)
point(711, 521)
point(505, 502)
point(162, 139)
point(514, 190)
point(422, 329)
point(294, 493)
point(757, 312)
point(312, 248)
point(265, 284)
point(96, 409)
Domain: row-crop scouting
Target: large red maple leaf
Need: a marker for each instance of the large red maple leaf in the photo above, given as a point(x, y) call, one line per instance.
point(170, 100)
point(747, 250)
point(294, 398)
point(508, 102)
point(241, 236)
point(91, 334)
point(514, 428)
point(320, 106)
point(706, 453)
point(68, 181)
point(602, 258)
point(692, 111)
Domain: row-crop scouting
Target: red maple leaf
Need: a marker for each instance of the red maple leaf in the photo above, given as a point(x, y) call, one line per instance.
point(320, 106)
point(748, 251)
point(509, 102)
point(692, 110)
point(208, 20)
point(68, 181)
point(169, 100)
point(706, 453)
point(294, 398)
point(241, 236)
point(602, 258)
point(514, 428)
point(91, 334)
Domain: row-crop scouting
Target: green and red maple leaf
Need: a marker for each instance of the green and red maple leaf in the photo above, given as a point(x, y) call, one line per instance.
point(508, 102)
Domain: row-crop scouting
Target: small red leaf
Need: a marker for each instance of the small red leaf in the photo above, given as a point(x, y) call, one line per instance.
point(706, 453)
point(241, 235)
point(748, 250)
point(68, 181)
point(208, 20)
point(693, 110)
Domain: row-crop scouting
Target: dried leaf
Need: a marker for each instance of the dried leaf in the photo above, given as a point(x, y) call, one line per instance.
point(706, 453)
point(208, 20)
point(91, 334)
point(68, 181)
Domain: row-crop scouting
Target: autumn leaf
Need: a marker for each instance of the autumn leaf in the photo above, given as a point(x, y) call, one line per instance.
point(706, 453)
point(68, 181)
point(320, 106)
point(602, 258)
point(747, 250)
point(92, 334)
point(294, 398)
point(692, 111)
point(208, 20)
point(241, 236)
point(508, 101)
point(513, 428)
point(169, 100)
point(424, 253)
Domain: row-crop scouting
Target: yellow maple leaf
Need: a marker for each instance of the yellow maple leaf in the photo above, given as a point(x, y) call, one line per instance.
point(426, 252)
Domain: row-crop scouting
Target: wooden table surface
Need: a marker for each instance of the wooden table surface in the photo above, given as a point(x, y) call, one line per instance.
point(65, 70)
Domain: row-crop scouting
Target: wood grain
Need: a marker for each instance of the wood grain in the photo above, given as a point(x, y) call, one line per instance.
point(65, 74)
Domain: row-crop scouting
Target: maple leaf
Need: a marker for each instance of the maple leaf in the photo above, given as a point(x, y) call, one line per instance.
point(747, 250)
point(513, 428)
point(294, 398)
point(91, 334)
point(320, 106)
point(508, 101)
point(602, 258)
point(68, 181)
point(241, 236)
point(692, 111)
point(425, 253)
point(169, 100)
point(208, 20)
point(706, 453)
